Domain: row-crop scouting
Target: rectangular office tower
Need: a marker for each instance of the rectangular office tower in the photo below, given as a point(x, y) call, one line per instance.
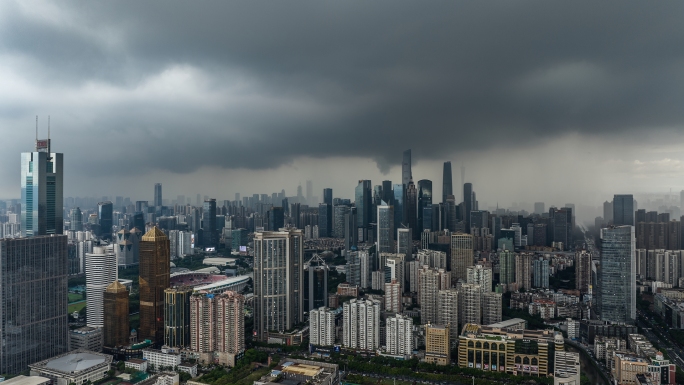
point(41, 191)
point(154, 279)
point(278, 281)
point(33, 296)
point(617, 274)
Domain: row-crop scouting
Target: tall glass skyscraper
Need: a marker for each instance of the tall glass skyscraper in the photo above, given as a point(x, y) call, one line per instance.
point(468, 203)
point(363, 203)
point(385, 228)
point(424, 201)
point(325, 220)
point(617, 274)
point(387, 191)
point(447, 185)
point(33, 299)
point(105, 214)
point(41, 191)
point(157, 195)
point(328, 196)
point(76, 218)
point(623, 210)
point(399, 205)
point(406, 174)
point(209, 230)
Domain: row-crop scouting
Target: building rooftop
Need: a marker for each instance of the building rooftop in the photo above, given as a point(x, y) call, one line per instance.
point(73, 362)
point(507, 323)
point(302, 369)
point(27, 380)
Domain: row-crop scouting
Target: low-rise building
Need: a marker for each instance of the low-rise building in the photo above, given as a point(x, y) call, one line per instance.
point(188, 367)
point(27, 380)
point(161, 359)
point(88, 338)
point(511, 325)
point(136, 364)
point(627, 367)
point(347, 290)
point(302, 371)
point(566, 368)
point(527, 352)
point(78, 366)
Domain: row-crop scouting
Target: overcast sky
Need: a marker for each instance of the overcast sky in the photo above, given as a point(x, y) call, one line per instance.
point(553, 101)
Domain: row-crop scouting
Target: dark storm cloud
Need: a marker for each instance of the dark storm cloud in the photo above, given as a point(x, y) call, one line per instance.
point(289, 79)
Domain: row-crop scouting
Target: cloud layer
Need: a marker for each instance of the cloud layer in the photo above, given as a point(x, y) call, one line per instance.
point(141, 88)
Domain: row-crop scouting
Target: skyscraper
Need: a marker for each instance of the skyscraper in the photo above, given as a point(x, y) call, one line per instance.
point(154, 279)
point(623, 210)
point(447, 186)
point(158, 195)
point(399, 205)
point(461, 255)
point(480, 275)
point(116, 328)
point(470, 305)
point(76, 218)
point(399, 335)
point(41, 191)
point(351, 232)
point(101, 270)
point(582, 271)
point(325, 217)
point(506, 267)
point(316, 282)
point(217, 328)
point(328, 196)
point(177, 316)
point(523, 271)
point(424, 201)
point(617, 274)
point(364, 205)
point(322, 327)
point(468, 203)
point(387, 194)
point(209, 230)
point(385, 228)
point(405, 242)
point(406, 174)
point(431, 282)
point(33, 299)
point(447, 311)
point(105, 213)
point(411, 210)
point(278, 281)
point(361, 324)
point(541, 273)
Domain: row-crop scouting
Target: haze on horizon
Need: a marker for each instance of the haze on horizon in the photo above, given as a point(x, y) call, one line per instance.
point(554, 102)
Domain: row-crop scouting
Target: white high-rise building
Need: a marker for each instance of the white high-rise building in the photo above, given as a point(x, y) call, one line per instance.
point(432, 258)
point(399, 335)
point(470, 304)
point(322, 327)
point(395, 264)
point(101, 270)
point(431, 282)
point(278, 281)
point(361, 324)
point(447, 311)
point(393, 297)
point(480, 275)
point(365, 260)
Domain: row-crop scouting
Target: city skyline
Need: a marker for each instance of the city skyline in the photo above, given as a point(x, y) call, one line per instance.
point(562, 112)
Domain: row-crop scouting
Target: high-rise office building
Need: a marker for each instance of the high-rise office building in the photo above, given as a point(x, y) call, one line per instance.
point(405, 242)
point(562, 226)
point(339, 213)
point(209, 230)
point(154, 279)
point(399, 335)
point(387, 193)
point(295, 214)
point(470, 304)
point(361, 324)
point(411, 219)
point(541, 273)
point(617, 274)
point(105, 213)
point(364, 204)
point(385, 228)
point(467, 203)
point(316, 283)
point(101, 270)
point(351, 233)
point(447, 311)
point(523, 271)
point(278, 281)
point(276, 219)
point(406, 174)
point(177, 316)
point(41, 191)
point(461, 255)
point(623, 210)
point(424, 202)
point(158, 195)
point(116, 327)
point(399, 202)
point(328, 196)
point(325, 217)
point(322, 327)
point(33, 299)
point(447, 185)
point(506, 267)
point(76, 218)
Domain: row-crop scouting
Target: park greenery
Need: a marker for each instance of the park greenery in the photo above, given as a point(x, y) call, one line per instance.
point(245, 372)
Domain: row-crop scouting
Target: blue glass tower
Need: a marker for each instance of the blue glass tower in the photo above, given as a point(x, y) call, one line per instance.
point(41, 191)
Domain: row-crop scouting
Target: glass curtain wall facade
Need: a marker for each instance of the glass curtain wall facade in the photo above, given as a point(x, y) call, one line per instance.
point(617, 274)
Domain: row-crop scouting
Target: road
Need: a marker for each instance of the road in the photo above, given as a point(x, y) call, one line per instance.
point(674, 351)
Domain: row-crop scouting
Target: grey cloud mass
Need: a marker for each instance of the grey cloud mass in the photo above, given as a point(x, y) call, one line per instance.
point(163, 86)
